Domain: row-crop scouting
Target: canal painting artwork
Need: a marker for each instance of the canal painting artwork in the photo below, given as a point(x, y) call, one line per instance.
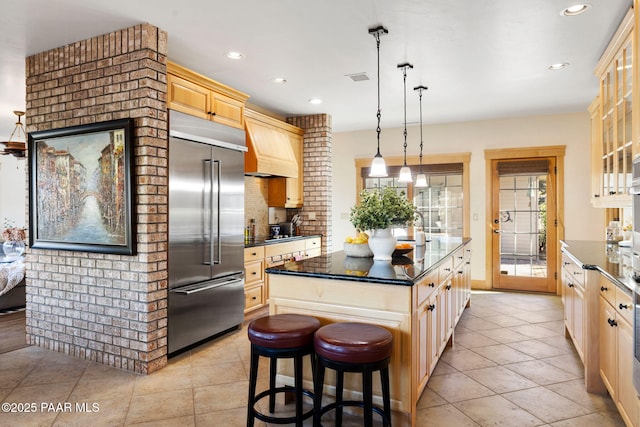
point(82, 191)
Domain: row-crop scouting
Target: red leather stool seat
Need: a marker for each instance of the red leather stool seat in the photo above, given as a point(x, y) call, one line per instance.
point(353, 342)
point(283, 330)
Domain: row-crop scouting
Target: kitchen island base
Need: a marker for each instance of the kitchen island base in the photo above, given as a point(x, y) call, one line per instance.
point(421, 317)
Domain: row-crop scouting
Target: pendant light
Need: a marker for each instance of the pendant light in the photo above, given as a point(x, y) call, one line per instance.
point(405, 171)
point(378, 166)
point(15, 147)
point(421, 179)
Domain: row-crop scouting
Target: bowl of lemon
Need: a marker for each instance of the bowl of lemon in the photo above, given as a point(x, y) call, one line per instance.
point(358, 246)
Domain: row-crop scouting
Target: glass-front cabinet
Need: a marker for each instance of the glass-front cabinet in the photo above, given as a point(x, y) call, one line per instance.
point(611, 122)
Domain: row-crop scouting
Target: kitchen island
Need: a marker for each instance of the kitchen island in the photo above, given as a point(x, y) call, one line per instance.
point(419, 298)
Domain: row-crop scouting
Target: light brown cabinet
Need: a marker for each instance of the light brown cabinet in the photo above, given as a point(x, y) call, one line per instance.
point(288, 192)
point(257, 258)
point(194, 94)
point(616, 350)
point(612, 145)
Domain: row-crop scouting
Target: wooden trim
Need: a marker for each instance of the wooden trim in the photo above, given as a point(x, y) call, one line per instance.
point(557, 151)
point(464, 158)
point(272, 121)
point(179, 70)
point(616, 42)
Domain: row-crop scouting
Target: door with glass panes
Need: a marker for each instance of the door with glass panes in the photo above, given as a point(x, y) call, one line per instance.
point(523, 224)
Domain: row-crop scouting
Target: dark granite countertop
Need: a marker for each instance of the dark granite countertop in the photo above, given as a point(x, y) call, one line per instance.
point(405, 270)
point(266, 240)
point(611, 260)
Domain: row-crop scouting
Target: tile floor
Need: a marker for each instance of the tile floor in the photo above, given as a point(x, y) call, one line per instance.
point(511, 366)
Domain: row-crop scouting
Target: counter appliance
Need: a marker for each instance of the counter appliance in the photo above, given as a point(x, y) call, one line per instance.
point(206, 225)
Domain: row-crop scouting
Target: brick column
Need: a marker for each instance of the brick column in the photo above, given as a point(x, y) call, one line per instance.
point(317, 175)
point(107, 308)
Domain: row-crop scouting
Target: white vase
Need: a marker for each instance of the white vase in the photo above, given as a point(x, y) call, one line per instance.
point(382, 244)
point(382, 270)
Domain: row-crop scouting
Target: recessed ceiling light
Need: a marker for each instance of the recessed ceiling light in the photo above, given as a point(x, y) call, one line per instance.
point(279, 80)
point(315, 101)
point(576, 9)
point(234, 55)
point(559, 66)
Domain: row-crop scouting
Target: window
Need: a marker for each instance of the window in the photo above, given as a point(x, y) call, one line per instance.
point(442, 204)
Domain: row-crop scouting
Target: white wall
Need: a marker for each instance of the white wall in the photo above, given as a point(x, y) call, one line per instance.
point(582, 221)
point(13, 194)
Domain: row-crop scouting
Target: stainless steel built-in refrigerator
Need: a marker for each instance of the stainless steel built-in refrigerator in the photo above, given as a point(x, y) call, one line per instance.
point(206, 240)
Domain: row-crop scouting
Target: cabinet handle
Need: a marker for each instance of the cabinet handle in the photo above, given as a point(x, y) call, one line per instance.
point(460, 257)
point(447, 269)
point(254, 273)
point(254, 298)
point(571, 285)
point(612, 193)
point(623, 306)
point(213, 113)
point(460, 271)
point(566, 263)
point(448, 287)
point(431, 307)
point(596, 195)
point(603, 289)
point(575, 273)
point(612, 322)
point(468, 262)
point(432, 285)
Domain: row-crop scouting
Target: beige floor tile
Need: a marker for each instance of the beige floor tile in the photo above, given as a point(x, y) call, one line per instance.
point(546, 404)
point(568, 362)
point(444, 415)
point(105, 388)
point(540, 372)
point(10, 378)
point(473, 340)
point(497, 411)
point(219, 374)
point(540, 316)
point(443, 368)
point(186, 421)
point(221, 396)
point(500, 380)
point(483, 312)
point(38, 394)
point(27, 357)
point(160, 406)
point(502, 354)
point(576, 392)
point(556, 326)
point(457, 387)
point(97, 371)
point(561, 342)
point(476, 323)
point(236, 417)
point(465, 359)
point(173, 379)
point(534, 331)
point(214, 354)
point(55, 373)
point(430, 398)
point(107, 413)
point(506, 320)
point(592, 420)
point(503, 336)
point(537, 348)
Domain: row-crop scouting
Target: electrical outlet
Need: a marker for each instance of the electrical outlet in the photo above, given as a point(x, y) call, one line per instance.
point(312, 216)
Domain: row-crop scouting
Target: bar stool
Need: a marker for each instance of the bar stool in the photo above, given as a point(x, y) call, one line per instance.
point(280, 336)
point(353, 347)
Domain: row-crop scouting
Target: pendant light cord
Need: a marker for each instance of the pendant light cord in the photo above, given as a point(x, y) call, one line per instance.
point(404, 73)
point(420, 89)
point(378, 114)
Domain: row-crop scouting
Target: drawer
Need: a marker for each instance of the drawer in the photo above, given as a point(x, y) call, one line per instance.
point(313, 243)
point(608, 291)
point(458, 257)
point(312, 253)
point(253, 298)
point(573, 270)
point(254, 253)
point(445, 269)
point(253, 272)
point(427, 286)
point(276, 249)
point(624, 304)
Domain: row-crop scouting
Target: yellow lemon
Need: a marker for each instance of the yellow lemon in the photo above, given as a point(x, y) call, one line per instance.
point(349, 239)
point(358, 241)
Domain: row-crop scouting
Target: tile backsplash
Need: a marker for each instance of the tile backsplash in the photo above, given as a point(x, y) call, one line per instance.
point(256, 193)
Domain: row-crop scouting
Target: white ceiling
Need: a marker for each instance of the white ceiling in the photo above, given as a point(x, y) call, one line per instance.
point(481, 59)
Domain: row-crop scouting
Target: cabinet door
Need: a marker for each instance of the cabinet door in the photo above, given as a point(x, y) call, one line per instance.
point(607, 344)
point(578, 320)
point(627, 394)
point(424, 314)
point(188, 97)
point(227, 111)
point(295, 186)
point(567, 297)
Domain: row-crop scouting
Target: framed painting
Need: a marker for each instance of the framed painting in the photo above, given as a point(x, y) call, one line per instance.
point(81, 189)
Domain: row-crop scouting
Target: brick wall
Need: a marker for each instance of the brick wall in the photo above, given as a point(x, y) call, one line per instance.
point(317, 175)
point(106, 308)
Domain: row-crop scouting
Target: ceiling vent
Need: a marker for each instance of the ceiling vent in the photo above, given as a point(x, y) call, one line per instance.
point(358, 77)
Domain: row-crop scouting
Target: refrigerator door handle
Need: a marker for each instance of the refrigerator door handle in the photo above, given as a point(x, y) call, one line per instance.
point(207, 209)
point(194, 289)
point(216, 241)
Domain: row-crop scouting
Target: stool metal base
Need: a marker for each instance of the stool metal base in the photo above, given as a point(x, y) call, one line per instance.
point(274, 354)
point(367, 370)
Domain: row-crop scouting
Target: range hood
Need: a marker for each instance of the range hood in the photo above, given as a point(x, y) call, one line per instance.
point(270, 151)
